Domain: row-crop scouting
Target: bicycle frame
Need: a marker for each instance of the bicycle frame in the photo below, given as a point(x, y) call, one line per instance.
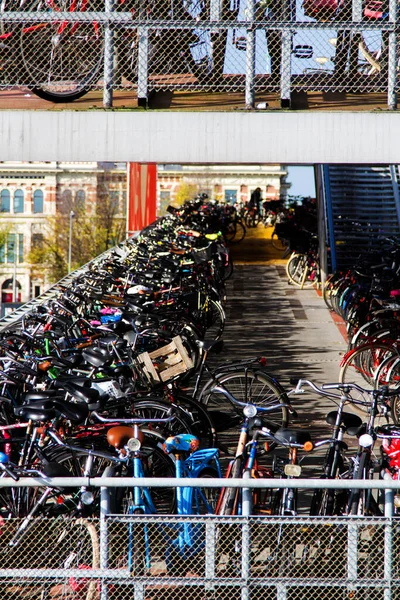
point(186, 542)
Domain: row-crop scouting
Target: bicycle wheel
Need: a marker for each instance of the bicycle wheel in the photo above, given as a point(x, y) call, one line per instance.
point(62, 59)
point(203, 501)
point(156, 409)
point(302, 271)
point(188, 553)
point(202, 424)
point(215, 320)
point(360, 365)
point(279, 243)
point(249, 386)
point(234, 232)
point(329, 502)
point(69, 544)
point(362, 502)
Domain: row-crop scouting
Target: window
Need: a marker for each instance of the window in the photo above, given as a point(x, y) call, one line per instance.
point(18, 201)
point(66, 202)
point(37, 240)
point(38, 201)
point(11, 241)
point(8, 293)
point(5, 201)
point(231, 196)
point(165, 200)
point(114, 201)
point(20, 247)
point(36, 291)
point(80, 197)
point(13, 249)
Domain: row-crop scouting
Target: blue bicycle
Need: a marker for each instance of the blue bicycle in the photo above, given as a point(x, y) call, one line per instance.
point(181, 541)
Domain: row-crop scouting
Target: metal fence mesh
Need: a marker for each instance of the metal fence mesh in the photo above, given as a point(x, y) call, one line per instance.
point(59, 47)
point(131, 557)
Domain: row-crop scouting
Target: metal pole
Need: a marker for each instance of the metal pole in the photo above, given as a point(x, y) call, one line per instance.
point(392, 58)
point(388, 543)
point(286, 68)
point(15, 270)
point(246, 547)
point(143, 62)
point(104, 537)
point(108, 57)
point(250, 55)
point(71, 216)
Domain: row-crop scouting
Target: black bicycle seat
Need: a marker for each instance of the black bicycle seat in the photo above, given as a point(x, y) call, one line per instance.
point(347, 419)
point(292, 436)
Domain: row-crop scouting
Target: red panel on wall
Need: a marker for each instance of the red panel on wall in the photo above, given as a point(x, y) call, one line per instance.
point(142, 195)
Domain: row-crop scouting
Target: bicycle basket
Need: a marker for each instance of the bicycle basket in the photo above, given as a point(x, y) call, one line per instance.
point(202, 254)
point(300, 242)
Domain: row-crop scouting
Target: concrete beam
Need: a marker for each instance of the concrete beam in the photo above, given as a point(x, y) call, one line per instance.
point(201, 137)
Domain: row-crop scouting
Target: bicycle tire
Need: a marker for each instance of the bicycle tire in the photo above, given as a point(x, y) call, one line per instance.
point(235, 233)
point(157, 409)
point(202, 424)
point(360, 365)
point(62, 60)
point(362, 502)
point(156, 463)
point(249, 386)
point(70, 544)
point(279, 243)
point(215, 320)
point(300, 272)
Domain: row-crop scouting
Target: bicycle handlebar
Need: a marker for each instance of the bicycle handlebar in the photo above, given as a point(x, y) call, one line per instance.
point(232, 399)
point(346, 389)
point(134, 421)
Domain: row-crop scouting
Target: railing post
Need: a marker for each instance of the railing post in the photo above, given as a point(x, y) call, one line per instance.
point(104, 537)
point(388, 542)
point(250, 54)
point(352, 556)
point(143, 63)
point(246, 546)
point(108, 57)
point(392, 58)
point(286, 61)
point(210, 554)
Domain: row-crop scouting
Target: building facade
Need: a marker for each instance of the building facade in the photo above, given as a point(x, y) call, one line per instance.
point(226, 183)
point(31, 193)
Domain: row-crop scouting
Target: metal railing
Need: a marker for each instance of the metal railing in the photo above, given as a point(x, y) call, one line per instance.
point(251, 47)
point(140, 556)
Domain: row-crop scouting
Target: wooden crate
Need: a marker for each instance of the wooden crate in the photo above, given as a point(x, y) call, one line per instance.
point(167, 362)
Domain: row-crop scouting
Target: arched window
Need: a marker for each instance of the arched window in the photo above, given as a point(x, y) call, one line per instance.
point(80, 200)
point(18, 201)
point(66, 202)
point(5, 201)
point(38, 201)
point(8, 293)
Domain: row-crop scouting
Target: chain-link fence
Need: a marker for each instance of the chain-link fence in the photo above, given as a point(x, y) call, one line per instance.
point(143, 557)
point(62, 49)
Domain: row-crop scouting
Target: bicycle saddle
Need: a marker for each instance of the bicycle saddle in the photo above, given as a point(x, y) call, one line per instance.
point(292, 436)
point(97, 357)
point(45, 410)
point(184, 442)
point(347, 419)
point(119, 435)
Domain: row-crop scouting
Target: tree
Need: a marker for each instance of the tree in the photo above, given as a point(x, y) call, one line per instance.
point(186, 191)
point(92, 234)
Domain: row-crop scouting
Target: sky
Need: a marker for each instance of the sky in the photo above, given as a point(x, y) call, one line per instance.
point(302, 180)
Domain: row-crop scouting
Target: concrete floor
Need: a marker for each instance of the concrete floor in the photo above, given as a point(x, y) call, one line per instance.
point(291, 327)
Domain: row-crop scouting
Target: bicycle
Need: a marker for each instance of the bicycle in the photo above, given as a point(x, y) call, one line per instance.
point(181, 542)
